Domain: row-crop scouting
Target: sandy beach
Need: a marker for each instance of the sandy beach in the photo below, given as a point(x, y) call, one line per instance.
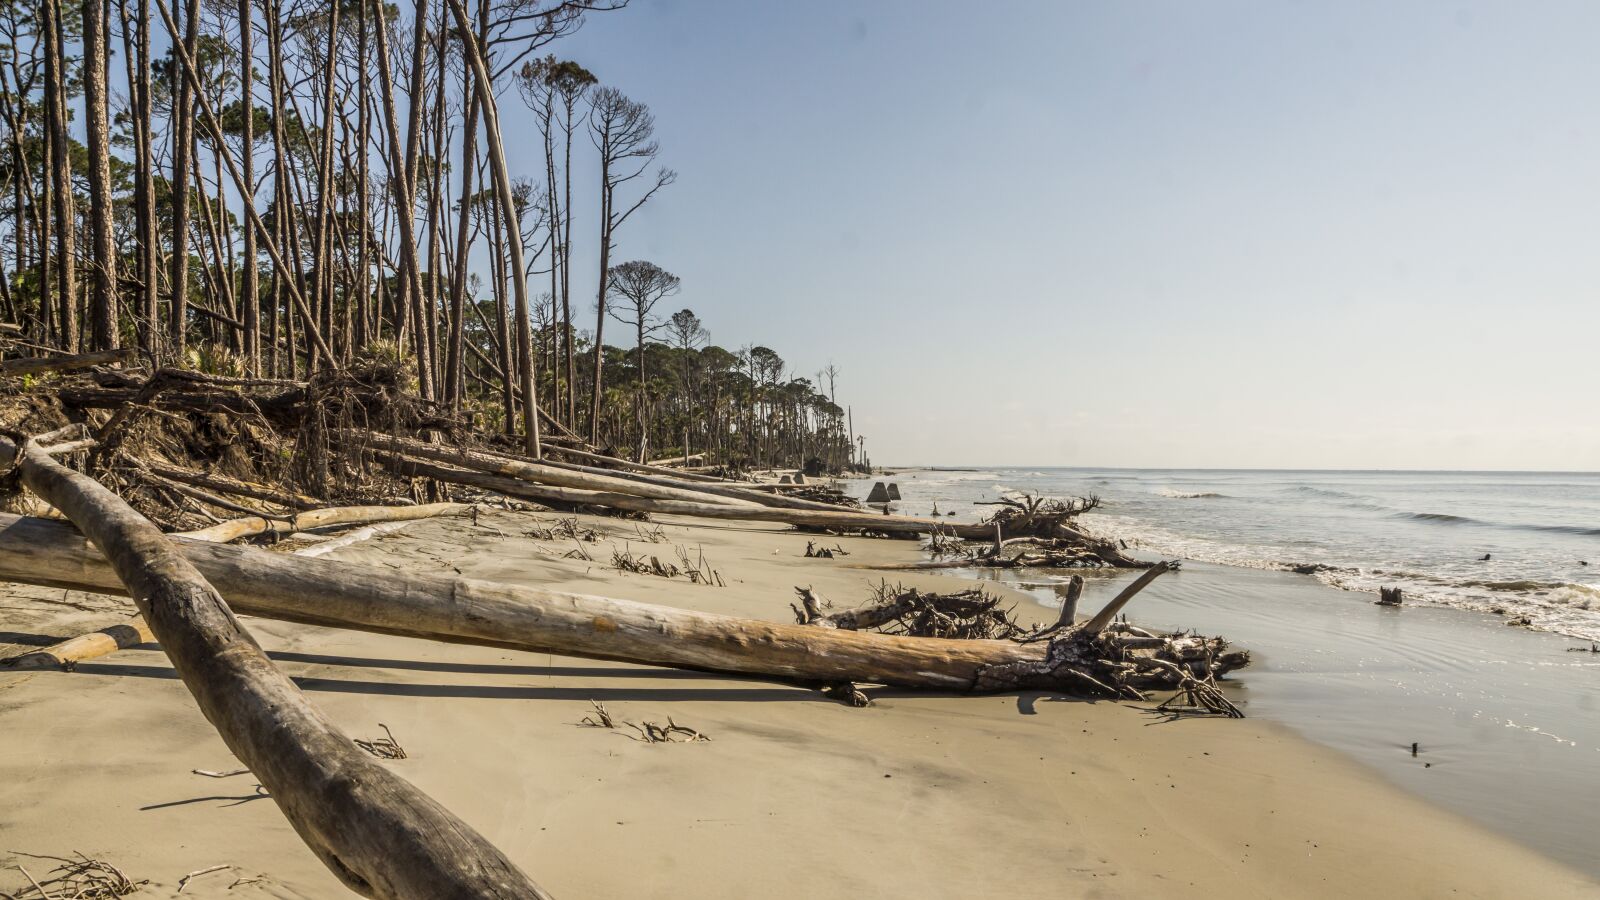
point(794, 795)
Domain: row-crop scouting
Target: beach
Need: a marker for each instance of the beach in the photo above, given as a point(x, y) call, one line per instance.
point(793, 795)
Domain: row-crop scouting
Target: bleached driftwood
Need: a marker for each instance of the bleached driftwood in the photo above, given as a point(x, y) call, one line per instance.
point(377, 832)
point(465, 610)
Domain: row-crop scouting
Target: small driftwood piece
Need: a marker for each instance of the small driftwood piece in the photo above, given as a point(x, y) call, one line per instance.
point(68, 653)
point(379, 834)
point(385, 747)
point(1389, 597)
point(649, 732)
point(81, 876)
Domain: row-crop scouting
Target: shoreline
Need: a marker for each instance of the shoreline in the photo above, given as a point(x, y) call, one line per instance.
point(784, 798)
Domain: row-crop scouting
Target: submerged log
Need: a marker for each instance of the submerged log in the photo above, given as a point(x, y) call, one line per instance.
point(464, 610)
point(377, 832)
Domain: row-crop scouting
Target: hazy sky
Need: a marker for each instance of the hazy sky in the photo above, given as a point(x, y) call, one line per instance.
point(1141, 234)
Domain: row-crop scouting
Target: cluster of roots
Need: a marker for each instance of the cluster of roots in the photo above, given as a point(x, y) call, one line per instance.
point(1126, 662)
point(971, 614)
point(1117, 660)
point(174, 442)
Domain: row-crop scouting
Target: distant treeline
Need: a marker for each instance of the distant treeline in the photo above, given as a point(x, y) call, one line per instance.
point(274, 189)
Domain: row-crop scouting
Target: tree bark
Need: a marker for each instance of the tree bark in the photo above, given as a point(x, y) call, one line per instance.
point(404, 183)
point(250, 298)
point(103, 297)
point(182, 149)
point(484, 88)
point(453, 388)
point(61, 176)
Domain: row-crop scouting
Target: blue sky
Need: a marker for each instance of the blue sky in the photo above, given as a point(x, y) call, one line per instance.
point(1141, 234)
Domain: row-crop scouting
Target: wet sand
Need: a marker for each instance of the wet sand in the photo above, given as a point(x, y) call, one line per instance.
point(795, 795)
point(1504, 718)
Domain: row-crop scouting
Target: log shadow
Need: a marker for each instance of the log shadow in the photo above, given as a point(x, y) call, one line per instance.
point(760, 692)
point(27, 639)
point(239, 800)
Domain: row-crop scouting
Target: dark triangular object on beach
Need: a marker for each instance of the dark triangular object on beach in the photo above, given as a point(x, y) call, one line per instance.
point(880, 494)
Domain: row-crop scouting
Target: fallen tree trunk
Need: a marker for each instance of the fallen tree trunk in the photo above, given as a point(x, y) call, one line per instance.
point(67, 362)
point(464, 610)
point(676, 461)
point(751, 493)
point(534, 473)
point(225, 485)
point(70, 652)
point(377, 832)
point(828, 519)
point(613, 462)
point(233, 529)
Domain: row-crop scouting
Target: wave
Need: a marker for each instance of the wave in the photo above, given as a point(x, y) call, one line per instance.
point(1450, 519)
point(1565, 607)
point(1188, 495)
point(1446, 518)
point(1320, 492)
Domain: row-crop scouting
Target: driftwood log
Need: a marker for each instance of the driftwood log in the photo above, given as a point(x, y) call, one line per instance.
point(464, 610)
point(65, 362)
point(70, 652)
point(531, 472)
point(378, 833)
point(233, 529)
point(554, 473)
point(840, 520)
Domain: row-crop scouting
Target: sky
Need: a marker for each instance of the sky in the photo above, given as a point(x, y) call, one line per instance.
point(1206, 234)
point(1158, 234)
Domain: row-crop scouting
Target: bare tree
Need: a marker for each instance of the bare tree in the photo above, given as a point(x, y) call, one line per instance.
point(636, 287)
point(622, 131)
point(103, 299)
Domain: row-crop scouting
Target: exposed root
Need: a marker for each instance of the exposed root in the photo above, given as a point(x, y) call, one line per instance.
point(970, 614)
point(567, 528)
point(697, 569)
point(648, 732)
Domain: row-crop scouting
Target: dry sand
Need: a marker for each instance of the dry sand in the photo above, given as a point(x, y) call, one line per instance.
point(794, 796)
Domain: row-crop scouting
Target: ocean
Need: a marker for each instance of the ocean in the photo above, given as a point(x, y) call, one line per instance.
point(1427, 533)
point(1504, 717)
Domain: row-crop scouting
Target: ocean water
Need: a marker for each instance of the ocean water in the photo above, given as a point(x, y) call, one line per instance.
point(1424, 532)
point(1505, 718)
